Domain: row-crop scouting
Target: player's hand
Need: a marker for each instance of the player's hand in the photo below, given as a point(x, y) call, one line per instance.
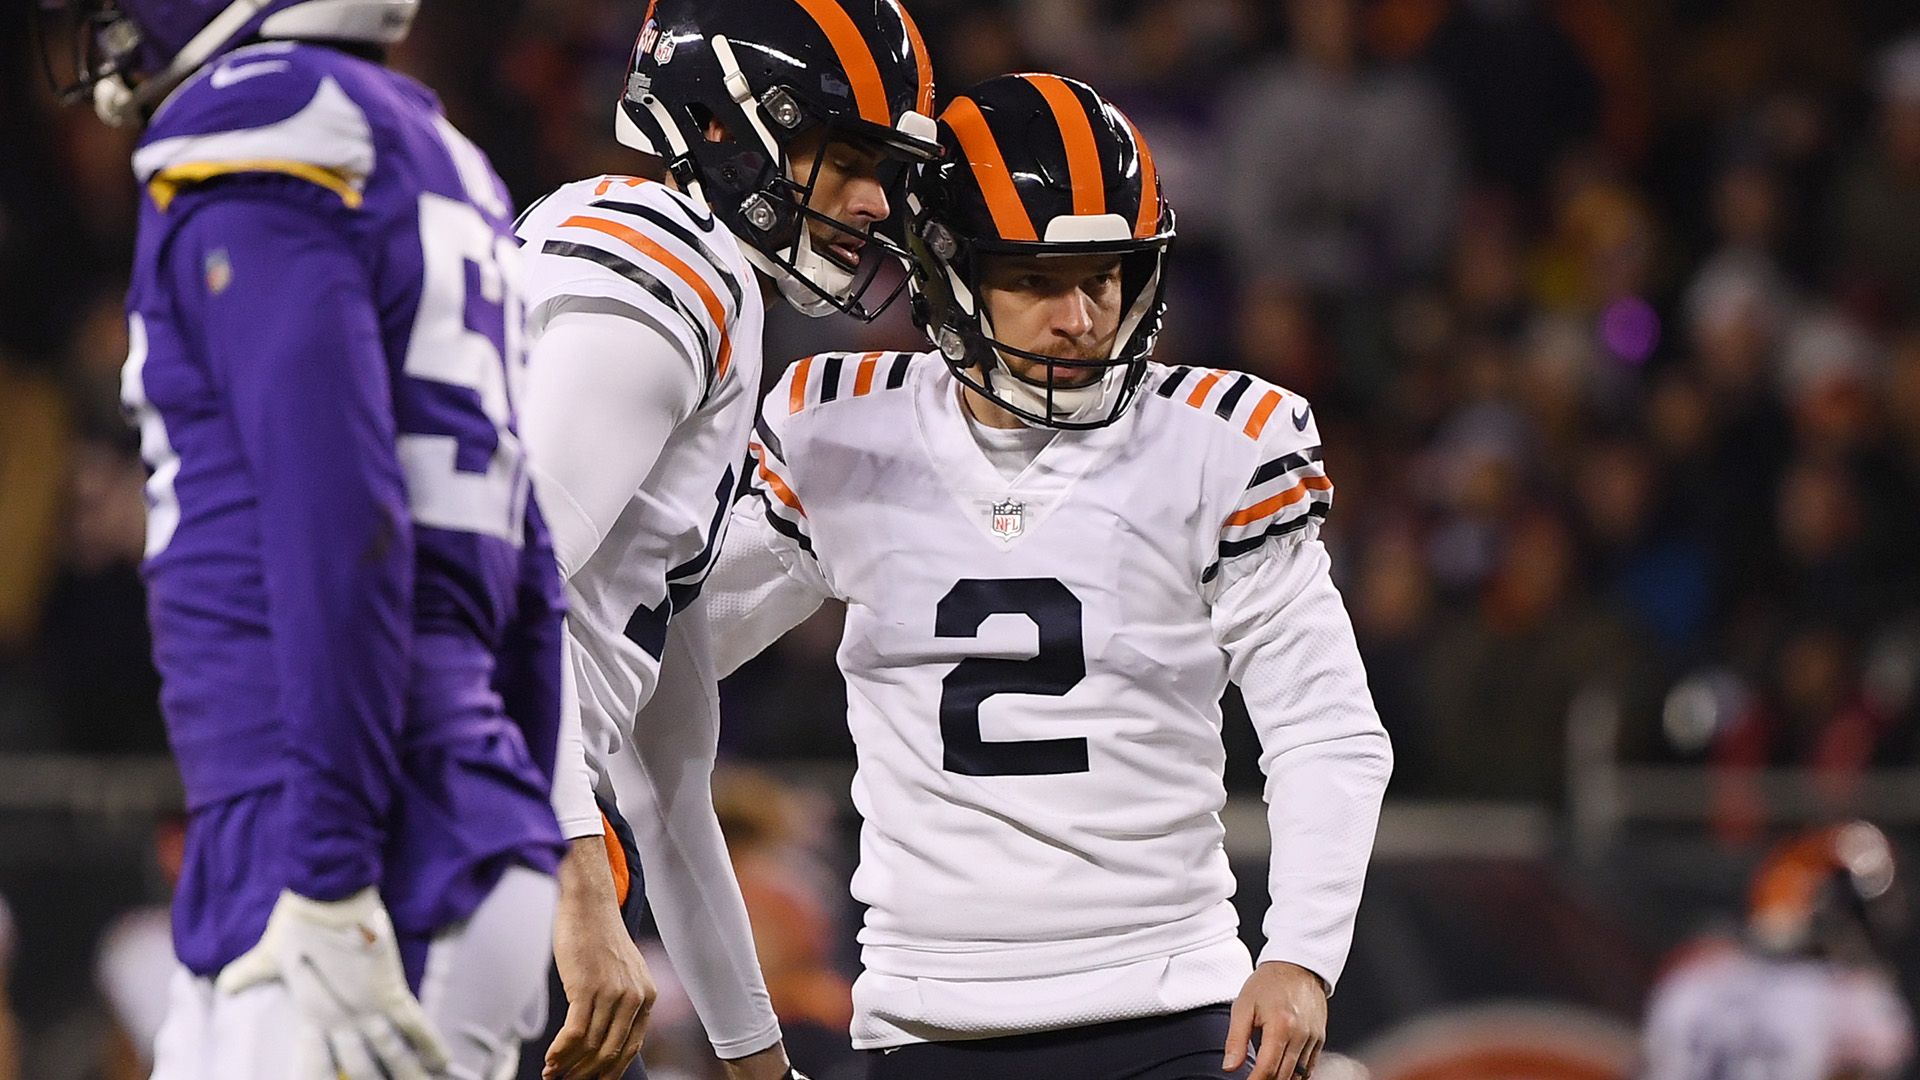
point(768, 1064)
point(1288, 1004)
point(341, 967)
point(609, 991)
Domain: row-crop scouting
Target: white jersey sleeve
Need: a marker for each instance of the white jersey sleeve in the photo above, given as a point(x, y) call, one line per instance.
point(603, 396)
point(1291, 650)
point(665, 790)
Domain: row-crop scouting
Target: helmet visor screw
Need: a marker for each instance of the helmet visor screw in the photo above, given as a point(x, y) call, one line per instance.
point(781, 106)
point(941, 242)
point(759, 212)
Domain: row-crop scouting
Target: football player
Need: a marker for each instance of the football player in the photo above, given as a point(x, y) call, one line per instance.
point(1808, 995)
point(356, 612)
point(784, 129)
point(1055, 554)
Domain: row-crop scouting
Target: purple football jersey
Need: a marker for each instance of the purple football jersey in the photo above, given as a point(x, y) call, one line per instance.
point(355, 607)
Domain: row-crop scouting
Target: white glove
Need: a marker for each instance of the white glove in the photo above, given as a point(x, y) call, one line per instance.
point(341, 966)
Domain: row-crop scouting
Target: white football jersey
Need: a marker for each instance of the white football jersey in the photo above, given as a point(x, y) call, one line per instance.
point(1034, 669)
point(1726, 1013)
point(641, 250)
point(644, 321)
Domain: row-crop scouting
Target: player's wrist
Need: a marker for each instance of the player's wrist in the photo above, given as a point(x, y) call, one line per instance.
point(352, 909)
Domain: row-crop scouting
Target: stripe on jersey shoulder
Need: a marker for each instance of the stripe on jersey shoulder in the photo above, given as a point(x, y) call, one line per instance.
point(1314, 487)
point(653, 287)
point(650, 248)
point(1316, 511)
point(843, 375)
point(1233, 549)
point(608, 182)
point(784, 527)
point(679, 231)
point(767, 437)
point(1225, 394)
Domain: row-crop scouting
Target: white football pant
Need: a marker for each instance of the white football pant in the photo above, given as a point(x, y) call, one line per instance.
point(485, 989)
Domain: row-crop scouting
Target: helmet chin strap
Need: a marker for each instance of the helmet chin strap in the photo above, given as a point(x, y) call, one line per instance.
point(835, 279)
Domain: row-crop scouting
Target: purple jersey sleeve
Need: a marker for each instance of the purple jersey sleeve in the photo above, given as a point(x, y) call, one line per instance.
point(312, 412)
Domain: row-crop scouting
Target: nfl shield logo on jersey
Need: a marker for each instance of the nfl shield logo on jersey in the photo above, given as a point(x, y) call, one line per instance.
point(1009, 519)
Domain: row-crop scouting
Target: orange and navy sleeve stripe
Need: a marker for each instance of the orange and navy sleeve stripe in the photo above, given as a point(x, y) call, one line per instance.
point(683, 288)
point(1288, 492)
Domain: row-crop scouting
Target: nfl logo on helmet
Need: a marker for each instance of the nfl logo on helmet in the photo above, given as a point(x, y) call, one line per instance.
point(1009, 519)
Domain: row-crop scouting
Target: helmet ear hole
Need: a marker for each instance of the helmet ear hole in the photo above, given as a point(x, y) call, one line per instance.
point(702, 119)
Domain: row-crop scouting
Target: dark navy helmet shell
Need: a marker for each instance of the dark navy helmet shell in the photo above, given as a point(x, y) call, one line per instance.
point(1038, 165)
point(768, 72)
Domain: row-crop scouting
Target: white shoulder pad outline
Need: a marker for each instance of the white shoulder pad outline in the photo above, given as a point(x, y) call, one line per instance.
point(328, 142)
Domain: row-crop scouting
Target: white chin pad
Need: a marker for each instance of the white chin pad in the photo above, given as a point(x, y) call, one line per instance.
point(830, 276)
point(1076, 404)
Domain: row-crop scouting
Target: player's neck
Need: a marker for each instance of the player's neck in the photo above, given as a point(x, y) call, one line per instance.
point(986, 412)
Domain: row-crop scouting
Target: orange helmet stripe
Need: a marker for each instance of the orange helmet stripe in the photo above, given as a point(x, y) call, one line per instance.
point(1149, 222)
point(923, 62)
point(982, 152)
point(856, 59)
point(1083, 155)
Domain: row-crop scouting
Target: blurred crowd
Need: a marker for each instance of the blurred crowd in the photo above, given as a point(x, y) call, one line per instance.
point(1610, 310)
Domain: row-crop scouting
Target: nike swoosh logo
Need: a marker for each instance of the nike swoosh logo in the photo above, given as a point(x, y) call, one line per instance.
point(228, 74)
point(1300, 418)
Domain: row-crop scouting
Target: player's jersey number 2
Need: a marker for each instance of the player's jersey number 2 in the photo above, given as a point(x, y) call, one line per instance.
point(1056, 668)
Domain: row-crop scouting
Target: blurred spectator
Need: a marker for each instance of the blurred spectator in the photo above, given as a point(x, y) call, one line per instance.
point(1656, 574)
point(1527, 78)
point(1392, 600)
point(33, 463)
point(1502, 676)
point(1876, 210)
point(1811, 711)
point(1339, 176)
point(95, 649)
point(10, 1048)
